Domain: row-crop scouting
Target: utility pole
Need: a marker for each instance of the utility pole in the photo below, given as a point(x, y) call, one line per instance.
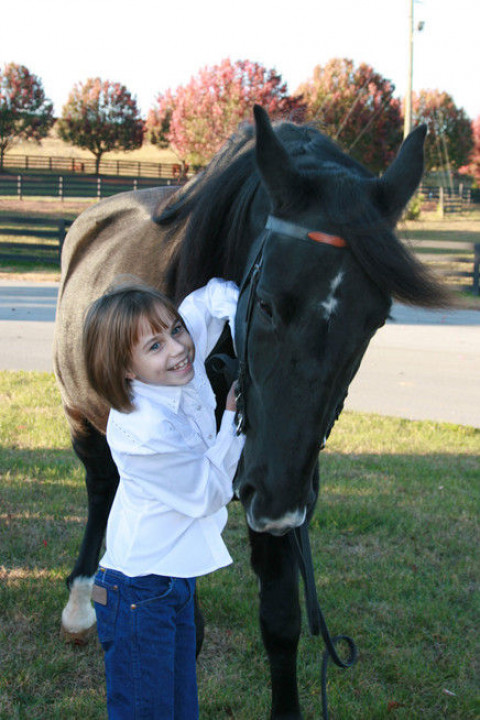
point(407, 126)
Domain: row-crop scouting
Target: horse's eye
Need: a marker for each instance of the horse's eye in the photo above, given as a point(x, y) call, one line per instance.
point(265, 308)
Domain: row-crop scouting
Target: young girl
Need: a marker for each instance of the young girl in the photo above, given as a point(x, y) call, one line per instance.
point(147, 360)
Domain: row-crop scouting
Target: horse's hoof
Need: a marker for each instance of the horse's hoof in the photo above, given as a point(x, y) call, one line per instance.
point(77, 638)
point(78, 616)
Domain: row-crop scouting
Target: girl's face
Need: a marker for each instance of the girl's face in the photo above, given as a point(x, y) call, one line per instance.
point(163, 358)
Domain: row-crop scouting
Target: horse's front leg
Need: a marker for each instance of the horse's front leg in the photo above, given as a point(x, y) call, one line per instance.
point(280, 618)
point(101, 477)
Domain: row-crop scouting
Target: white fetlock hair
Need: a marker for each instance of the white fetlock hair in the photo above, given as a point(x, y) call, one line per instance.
point(78, 615)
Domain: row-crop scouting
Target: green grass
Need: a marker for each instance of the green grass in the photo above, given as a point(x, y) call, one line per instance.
point(395, 542)
point(461, 227)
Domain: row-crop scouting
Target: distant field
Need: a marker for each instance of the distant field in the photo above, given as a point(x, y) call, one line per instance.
point(464, 227)
point(53, 146)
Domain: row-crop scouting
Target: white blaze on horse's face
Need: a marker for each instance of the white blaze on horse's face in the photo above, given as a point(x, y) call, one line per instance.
point(330, 304)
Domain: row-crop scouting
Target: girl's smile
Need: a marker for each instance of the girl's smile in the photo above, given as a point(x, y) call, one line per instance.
point(165, 357)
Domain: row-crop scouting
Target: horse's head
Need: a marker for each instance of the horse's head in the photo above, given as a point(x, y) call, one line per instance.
point(318, 285)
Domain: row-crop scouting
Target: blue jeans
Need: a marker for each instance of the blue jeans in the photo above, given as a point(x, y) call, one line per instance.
point(147, 630)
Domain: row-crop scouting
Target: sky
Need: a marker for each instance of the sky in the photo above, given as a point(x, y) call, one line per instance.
point(153, 45)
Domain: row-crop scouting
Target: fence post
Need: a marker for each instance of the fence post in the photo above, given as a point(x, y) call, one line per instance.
point(61, 236)
point(99, 187)
point(60, 187)
point(441, 202)
point(19, 186)
point(476, 264)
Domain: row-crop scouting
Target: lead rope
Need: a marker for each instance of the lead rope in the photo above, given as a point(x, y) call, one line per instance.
point(300, 541)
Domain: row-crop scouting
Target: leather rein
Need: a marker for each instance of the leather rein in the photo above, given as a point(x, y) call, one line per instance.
point(299, 538)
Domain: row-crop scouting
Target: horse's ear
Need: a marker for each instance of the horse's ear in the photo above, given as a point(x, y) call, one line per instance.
point(273, 161)
point(395, 188)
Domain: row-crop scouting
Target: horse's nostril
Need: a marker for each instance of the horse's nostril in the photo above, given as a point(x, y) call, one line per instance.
point(247, 492)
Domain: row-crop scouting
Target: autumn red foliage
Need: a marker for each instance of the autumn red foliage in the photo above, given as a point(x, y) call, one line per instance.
point(473, 166)
point(196, 119)
point(25, 112)
point(101, 116)
point(449, 141)
point(356, 107)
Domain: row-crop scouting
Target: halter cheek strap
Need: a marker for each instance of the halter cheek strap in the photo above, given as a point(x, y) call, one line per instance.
point(250, 281)
point(287, 228)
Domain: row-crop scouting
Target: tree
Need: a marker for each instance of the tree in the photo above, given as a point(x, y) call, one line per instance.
point(101, 116)
point(159, 120)
point(25, 112)
point(473, 166)
point(449, 140)
point(355, 106)
point(198, 118)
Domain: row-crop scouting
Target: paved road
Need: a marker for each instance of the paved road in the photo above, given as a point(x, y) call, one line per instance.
point(27, 314)
point(421, 365)
point(425, 365)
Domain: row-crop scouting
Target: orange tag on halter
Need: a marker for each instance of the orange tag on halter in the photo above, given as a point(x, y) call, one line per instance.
point(334, 240)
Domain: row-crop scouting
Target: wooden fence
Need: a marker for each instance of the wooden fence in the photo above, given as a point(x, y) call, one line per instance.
point(86, 166)
point(447, 200)
point(73, 186)
point(458, 262)
point(45, 228)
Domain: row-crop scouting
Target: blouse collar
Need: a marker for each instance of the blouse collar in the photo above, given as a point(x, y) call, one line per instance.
point(171, 395)
point(165, 395)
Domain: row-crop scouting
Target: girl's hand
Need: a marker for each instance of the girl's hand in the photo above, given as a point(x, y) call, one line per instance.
point(232, 398)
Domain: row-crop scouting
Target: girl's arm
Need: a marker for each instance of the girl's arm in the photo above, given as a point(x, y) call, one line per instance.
point(187, 479)
point(206, 310)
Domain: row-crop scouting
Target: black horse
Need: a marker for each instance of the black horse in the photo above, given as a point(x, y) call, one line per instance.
point(308, 233)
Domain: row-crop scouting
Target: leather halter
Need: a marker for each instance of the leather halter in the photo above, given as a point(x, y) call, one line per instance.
point(297, 231)
point(292, 230)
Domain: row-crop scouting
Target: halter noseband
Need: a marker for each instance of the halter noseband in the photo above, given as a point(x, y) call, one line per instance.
point(283, 227)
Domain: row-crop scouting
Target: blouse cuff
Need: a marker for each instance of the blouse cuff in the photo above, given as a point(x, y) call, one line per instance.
point(229, 445)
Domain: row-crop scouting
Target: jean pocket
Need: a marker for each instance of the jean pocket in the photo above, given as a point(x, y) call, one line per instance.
point(106, 600)
point(149, 588)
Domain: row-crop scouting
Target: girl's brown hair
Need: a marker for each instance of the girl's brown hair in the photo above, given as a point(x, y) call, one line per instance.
point(110, 331)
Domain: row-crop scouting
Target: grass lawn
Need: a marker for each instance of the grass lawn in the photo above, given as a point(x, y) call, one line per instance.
point(459, 227)
point(395, 542)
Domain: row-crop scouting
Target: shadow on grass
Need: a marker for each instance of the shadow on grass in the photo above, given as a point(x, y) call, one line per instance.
point(394, 538)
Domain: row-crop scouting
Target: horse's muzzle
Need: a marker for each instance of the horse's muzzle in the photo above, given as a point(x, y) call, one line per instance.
point(262, 523)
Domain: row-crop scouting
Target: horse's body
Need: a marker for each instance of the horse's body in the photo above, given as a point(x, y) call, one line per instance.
point(303, 325)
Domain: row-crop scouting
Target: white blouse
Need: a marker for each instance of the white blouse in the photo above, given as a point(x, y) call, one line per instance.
point(176, 472)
